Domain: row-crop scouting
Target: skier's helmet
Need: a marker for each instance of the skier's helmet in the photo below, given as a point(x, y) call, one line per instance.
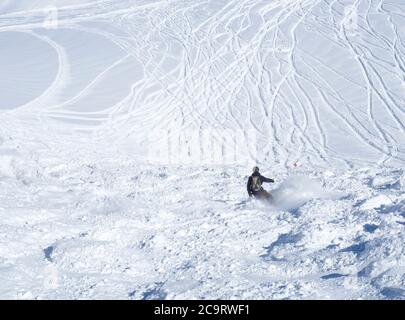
point(255, 169)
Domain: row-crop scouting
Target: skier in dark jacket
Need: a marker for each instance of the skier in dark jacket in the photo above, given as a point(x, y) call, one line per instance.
point(254, 185)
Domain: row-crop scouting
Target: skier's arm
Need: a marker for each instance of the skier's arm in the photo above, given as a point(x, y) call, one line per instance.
point(264, 179)
point(249, 185)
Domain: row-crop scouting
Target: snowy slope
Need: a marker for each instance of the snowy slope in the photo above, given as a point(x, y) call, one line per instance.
point(128, 130)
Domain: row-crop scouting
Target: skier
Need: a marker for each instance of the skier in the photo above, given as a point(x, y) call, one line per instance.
point(254, 185)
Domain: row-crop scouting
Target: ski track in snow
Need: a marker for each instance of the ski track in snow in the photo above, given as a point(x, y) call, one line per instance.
point(85, 214)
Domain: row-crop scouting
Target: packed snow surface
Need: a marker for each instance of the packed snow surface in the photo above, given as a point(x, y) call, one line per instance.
point(128, 130)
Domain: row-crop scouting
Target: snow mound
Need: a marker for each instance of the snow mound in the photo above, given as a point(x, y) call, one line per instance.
point(297, 190)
